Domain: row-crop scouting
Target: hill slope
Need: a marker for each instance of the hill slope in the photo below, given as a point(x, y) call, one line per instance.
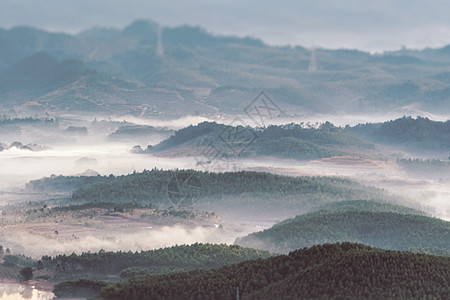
point(241, 190)
point(407, 133)
point(338, 271)
point(160, 261)
point(376, 226)
point(286, 141)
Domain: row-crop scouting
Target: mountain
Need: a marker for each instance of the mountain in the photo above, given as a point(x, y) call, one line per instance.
point(415, 135)
point(240, 189)
point(133, 132)
point(285, 141)
point(159, 261)
point(58, 85)
point(375, 225)
point(239, 194)
point(197, 72)
point(337, 271)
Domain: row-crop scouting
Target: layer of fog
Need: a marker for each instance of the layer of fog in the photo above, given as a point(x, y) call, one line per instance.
point(35, 245)
point(338, 119)
point(73, 155)
point(20, 166)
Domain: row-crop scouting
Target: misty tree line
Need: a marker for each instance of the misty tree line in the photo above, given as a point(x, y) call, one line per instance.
point(425, 165)
point(176, 258)
point(285, 141)
point(387, 230)
point(418, 133)
point(154, 186)
point(5, 120)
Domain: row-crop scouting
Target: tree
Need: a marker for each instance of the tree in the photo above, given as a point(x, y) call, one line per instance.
point(40, 266)
point(26, 273)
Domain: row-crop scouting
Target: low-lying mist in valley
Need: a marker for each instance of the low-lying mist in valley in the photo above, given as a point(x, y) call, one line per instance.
point(36, 245)
point(95, 153)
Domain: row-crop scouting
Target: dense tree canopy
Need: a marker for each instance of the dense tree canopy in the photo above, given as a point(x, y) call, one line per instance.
point(152, 187)
point(338, 271)
point(374, 225)
point(160, 261)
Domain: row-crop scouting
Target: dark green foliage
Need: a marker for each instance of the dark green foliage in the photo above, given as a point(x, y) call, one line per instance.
point(177, 258)
point(407, 133)
point(387, 230)
point(371, 206)
point(338, 271)
point(136, 130)
point(62, 183)
point(137, 271)
point(10, 260)
point(4, 121)
point(153, 187)
point(40, 265)
point(190, 133)
point(284, 141)
point(26, 273)
point(78, 288)
point(77, 130)
point(289, 147)
point(116, 207)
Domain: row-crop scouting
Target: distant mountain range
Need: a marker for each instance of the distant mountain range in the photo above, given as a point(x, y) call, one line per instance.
point(190, 71)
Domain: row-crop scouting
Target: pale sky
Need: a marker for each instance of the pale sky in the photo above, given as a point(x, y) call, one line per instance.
point(367, 25)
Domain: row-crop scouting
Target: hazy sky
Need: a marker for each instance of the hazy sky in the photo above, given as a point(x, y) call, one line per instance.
point(374, 25)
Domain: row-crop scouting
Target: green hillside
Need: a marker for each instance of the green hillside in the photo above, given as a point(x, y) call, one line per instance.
point(376, 226)
point(414, 134)
point(285, 141)
point(239, 189)
point(160, 261)
point(338, 271)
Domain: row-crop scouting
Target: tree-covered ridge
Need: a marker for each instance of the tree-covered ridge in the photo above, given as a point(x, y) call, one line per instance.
point(4, 120)
point(138, 130)
point(367, 205)
point(337, 271)
point(407, 132)
point(387, 230)
point(426, 168)
point(151, 187)
point(62, 183)
point(285, 141)
point(160, 261)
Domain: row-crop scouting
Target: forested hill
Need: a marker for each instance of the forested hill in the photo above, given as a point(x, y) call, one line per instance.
point(374, 226)
point(160, 261)
point(285, 141)
point(150, 187)
point(370, 206)
point(407, 133)
point(338, 271)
